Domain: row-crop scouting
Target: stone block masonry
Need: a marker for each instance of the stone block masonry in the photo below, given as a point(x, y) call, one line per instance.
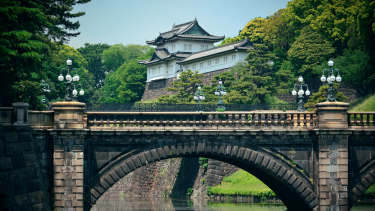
point(155, 89)
point(68, 171)
point(23, 183)
point(217, 170)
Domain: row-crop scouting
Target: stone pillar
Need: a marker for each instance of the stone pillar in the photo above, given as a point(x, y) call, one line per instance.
point(68, 115)
point(20, 114)
point(333, 135)
point(68, 135)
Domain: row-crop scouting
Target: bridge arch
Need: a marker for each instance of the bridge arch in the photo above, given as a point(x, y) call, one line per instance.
point(289, 183)
point(361, 182)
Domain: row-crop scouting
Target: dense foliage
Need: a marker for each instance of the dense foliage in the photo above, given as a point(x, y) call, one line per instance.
point(299, 40)
point(26, 31)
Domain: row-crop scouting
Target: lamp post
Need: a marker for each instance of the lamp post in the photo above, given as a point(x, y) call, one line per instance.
point(199, 96)
point(45, 88)
point(301, 104)
point(330, 79)
point(220, 91)
point(69, 78)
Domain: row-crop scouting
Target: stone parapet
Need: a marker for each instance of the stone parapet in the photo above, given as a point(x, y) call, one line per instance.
point(68, 115)
point(332, 115)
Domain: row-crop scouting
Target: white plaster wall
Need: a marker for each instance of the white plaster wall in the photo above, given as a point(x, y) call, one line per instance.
point(196, 45)
point(240, 57)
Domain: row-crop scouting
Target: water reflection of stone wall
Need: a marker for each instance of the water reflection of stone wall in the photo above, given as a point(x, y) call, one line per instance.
point(172, 178)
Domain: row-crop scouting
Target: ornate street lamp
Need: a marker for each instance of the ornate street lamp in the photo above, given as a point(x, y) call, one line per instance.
point(330, 79)
point(199, 96)
point(220, 91)
point(45, 88)
point(301, 104)
point(69, 78)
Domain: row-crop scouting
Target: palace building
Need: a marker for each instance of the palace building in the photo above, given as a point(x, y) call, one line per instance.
point(189, 46)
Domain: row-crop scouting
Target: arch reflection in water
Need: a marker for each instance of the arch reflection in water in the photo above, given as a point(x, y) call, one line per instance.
point(111, 203)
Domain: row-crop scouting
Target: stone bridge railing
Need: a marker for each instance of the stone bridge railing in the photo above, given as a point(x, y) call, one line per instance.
point(72, 116)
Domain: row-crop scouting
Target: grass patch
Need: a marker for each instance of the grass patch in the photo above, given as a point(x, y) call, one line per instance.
point(370, 192)
point(242, 183)
point(148, 101)
point(363, 104)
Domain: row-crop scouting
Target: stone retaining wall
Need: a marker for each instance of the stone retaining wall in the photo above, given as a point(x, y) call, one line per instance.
point(155, 89)
point(22, 183)
point(217, 170)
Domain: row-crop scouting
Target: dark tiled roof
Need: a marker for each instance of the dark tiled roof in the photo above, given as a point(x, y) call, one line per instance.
point(161, 54)
point(240, 45)
point(179, 30)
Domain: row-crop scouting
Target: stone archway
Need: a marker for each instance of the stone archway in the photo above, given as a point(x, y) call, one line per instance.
point(290, 185)
point(361, 182)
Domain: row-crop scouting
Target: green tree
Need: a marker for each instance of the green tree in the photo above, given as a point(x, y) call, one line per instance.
point(185, 87)
point(321, 95)
point(26, 30)
point(252, 31)
point(356, 71)
point(127, 83)
point(309, 49)
point(93, 55)
point(118, 54)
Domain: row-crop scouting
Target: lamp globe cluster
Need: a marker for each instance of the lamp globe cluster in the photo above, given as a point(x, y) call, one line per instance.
point(69, 80)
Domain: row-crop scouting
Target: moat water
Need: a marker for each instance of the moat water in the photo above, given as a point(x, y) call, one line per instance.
point(112, 203)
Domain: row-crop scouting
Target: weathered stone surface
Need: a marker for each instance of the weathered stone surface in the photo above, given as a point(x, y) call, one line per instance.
point(30, 160)
point(18, 148)
point(29, 198)
point(22, 174)
point(18, 162)
point(6, 163)
point(8, 189)
point(20, 187)
point(2, 154)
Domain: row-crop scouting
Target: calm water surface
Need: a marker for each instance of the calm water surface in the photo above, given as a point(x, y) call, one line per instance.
point(111, 203)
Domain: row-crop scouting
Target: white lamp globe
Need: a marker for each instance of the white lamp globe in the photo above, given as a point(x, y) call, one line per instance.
point(44, 90)
point(338, 78)
point(300, 92)
point(61, 77)
point(74, 92)
point(199, 88)
point(225, 93)
point(216, 93)
point(307, 92)
point(195, 98)
point(332, 78)
point(222, 93)
point(68, 77)
point(329, 79)
point(300, 79)
point(48, 90)
point(68, 62)
point(203, 97)
point(220, 82)
point(81, 92)
point(74, 78)
point(294, 92)
point(323, 78)
point(330, 63)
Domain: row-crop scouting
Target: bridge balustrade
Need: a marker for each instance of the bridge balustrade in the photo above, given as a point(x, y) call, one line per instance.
point(200, 120)
point(361, 119)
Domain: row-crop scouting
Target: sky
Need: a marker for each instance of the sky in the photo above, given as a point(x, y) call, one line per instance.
point(135, 21)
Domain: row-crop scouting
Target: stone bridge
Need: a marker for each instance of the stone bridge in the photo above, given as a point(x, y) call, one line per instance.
point(321, 160)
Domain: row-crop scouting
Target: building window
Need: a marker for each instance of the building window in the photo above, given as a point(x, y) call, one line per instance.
point(209, 63)
point(217, 61)
point(225, 59)
point(201, 64)
point(158, 70)
point(206, 47)
point(234, 57)
point(185, 47)
point(194, 66)
point(187, 67)
point(202, 47)
point(190, 47)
